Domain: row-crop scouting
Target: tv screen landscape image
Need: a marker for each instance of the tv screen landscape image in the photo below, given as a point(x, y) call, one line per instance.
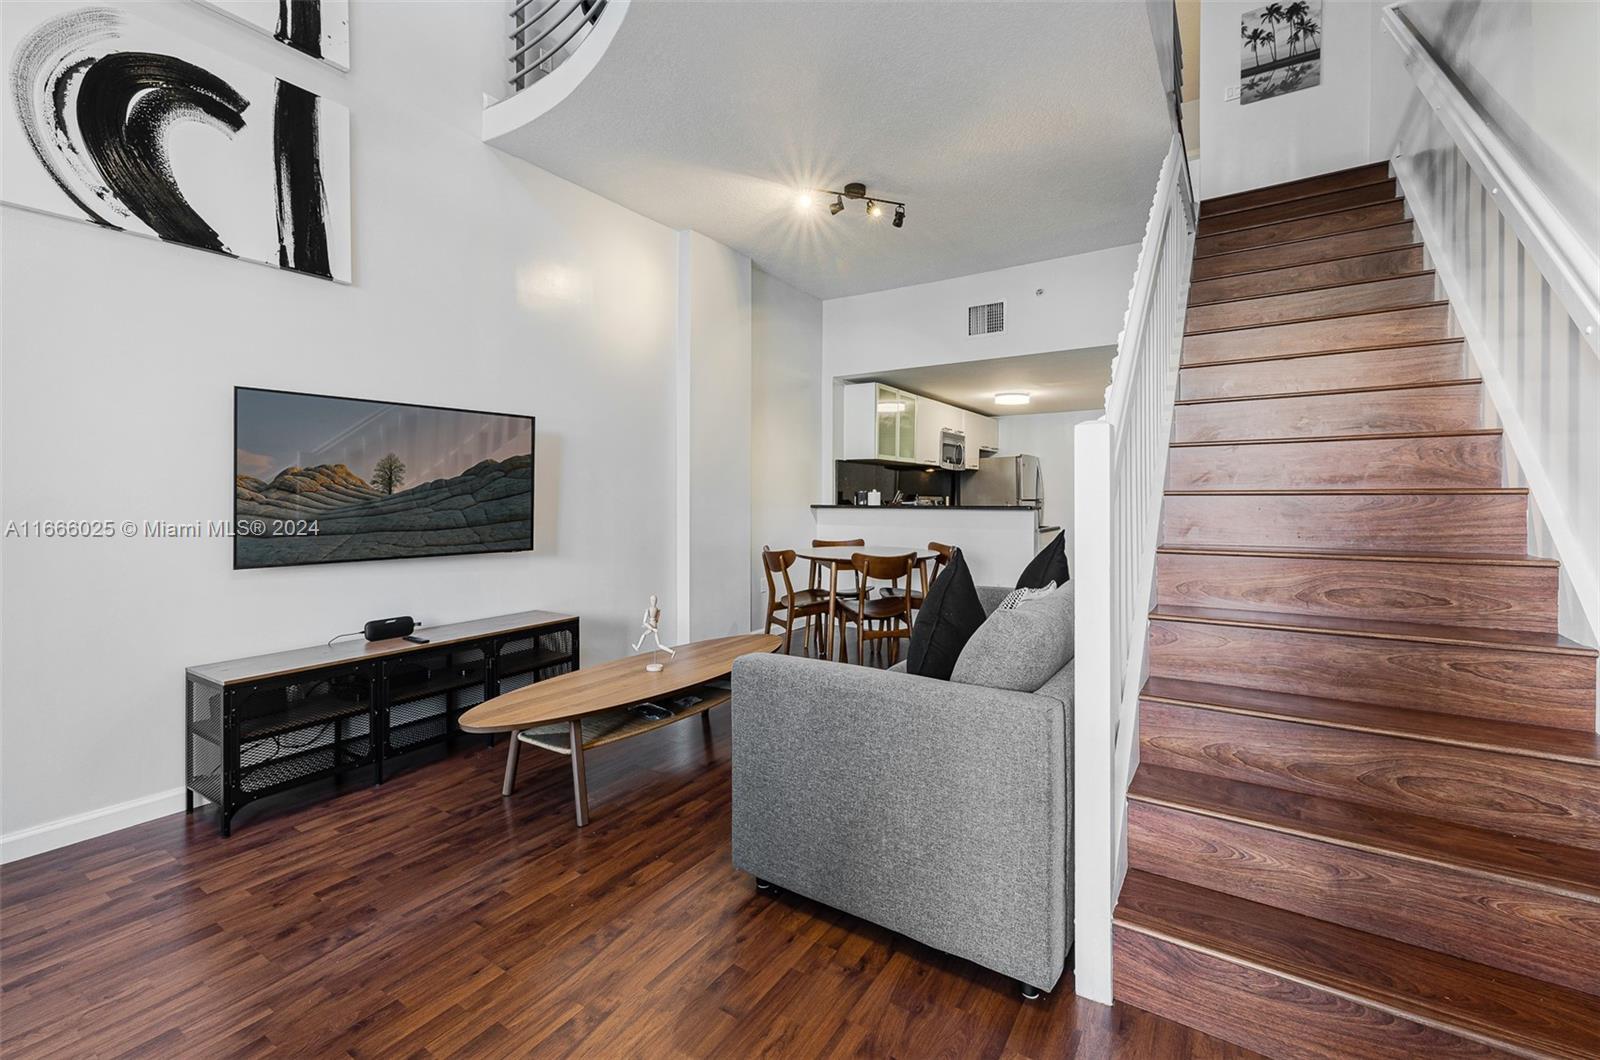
point(321, 479)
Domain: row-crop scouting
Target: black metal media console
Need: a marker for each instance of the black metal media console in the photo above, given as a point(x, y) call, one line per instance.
point(258, 726)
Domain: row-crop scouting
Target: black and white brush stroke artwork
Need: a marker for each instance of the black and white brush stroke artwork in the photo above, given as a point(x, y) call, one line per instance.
point(319, 28)
point(1280, 50)
point(121, 122)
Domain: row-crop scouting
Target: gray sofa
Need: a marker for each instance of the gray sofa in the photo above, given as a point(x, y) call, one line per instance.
point(938, 809)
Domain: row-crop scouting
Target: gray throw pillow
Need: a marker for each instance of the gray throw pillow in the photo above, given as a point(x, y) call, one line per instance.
point(1021, 647)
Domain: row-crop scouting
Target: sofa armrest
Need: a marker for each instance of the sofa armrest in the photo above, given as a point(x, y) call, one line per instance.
point(937, 810)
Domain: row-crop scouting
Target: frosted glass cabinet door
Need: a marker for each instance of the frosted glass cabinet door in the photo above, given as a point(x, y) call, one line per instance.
point(888, 422)
point(907, 449)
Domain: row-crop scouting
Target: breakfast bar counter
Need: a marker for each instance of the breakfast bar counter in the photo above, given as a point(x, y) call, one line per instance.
point(997, 541)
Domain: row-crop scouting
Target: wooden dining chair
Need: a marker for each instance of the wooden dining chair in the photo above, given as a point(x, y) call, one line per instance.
point(886, 618)
point(805, 604)
point(928, 570)
point(816, 568)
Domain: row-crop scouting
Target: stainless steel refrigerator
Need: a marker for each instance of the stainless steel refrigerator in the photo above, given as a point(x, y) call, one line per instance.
point(1006, 481)
point(1011, 482)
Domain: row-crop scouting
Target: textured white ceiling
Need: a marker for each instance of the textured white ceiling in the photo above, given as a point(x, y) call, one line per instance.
point(1063, 381)
point(1015, 131)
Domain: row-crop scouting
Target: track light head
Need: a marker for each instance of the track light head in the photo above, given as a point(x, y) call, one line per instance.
point(836, 207)
point(899, 216)
point(874, 211)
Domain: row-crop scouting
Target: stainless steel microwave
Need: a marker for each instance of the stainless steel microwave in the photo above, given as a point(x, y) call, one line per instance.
point(952, 450)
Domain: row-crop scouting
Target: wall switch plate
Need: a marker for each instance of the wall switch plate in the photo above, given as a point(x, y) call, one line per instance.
point(1231, 94)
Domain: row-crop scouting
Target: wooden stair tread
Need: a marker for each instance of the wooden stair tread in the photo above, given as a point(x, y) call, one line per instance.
point(1507, 1010)
point(1386, 555)
point(1330, 285)
point(1508, 639)
point(1409, 326)
point(1515, 738)
point(1333, 222)
point(1571, 871)
point(1309, 289)
point(1421, 303)
point(1289, 190)
point(1297, 439)
point(1431, 384)
point(1384, 191)
point(1297, 354)
point(1307, 251)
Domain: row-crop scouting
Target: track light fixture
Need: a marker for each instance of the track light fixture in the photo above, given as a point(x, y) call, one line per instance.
point(854, 190)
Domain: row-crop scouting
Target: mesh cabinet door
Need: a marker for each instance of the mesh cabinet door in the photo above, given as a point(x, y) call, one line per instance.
point(425, 692)
point(301, 728)
point(525, 658)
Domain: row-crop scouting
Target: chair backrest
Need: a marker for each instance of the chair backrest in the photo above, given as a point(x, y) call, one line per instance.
point(777, 563)
point(854, 543)
point(883, 569)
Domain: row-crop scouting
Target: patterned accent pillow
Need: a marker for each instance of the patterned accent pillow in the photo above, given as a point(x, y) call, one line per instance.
point(1017, 596)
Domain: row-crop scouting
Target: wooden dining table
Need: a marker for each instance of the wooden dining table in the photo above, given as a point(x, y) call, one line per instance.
point(837, 557)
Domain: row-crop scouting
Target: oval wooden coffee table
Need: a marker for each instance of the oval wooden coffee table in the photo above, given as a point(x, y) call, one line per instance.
point(585, 709)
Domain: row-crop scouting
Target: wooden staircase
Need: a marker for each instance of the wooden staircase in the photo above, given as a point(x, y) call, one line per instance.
point(1366, 818)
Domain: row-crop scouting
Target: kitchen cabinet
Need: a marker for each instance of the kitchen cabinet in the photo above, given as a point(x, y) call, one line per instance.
point(892, 425)
point(983, 435)
point(933, 419)
point(971, 428)
point(880, 423)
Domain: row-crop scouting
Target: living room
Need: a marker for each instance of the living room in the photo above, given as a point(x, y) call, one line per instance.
point(549, 686)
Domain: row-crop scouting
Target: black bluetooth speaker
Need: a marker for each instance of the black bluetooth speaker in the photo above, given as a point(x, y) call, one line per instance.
point(386, 628)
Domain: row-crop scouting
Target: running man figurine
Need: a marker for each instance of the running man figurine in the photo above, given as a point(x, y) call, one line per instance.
point(652, 633)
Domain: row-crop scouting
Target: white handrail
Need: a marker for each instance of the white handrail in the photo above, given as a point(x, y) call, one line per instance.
point(1119, 469)
point(1566, 262)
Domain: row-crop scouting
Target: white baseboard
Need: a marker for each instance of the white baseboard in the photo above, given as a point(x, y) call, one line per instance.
point(52, 835)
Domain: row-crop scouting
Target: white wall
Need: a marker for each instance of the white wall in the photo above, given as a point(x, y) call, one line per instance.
point(1298, 135)
point(713, 439)
point(1048, 435)
point(480, 281)
point(1083, 301)
point(1530, 66)
point(909, 327)
point(786, 419)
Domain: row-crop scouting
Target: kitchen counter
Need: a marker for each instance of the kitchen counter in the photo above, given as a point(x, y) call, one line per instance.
point(997, 540)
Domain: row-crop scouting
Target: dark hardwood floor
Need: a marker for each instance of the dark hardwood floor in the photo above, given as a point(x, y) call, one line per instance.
point(430, 917)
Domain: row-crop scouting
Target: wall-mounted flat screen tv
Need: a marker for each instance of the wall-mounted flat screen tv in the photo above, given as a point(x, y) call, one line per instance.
point(320, 479)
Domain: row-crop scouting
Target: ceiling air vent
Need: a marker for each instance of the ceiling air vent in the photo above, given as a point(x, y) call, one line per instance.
point(986, 319)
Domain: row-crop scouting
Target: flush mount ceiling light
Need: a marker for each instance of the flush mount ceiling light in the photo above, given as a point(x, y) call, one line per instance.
point(855, 190)
point(1012, 397)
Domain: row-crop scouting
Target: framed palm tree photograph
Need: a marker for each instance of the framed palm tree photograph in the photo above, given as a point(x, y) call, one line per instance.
point(1280, 49)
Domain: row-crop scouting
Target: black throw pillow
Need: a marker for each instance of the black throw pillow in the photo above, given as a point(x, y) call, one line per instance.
point(949, 616)
point(1050, 565)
